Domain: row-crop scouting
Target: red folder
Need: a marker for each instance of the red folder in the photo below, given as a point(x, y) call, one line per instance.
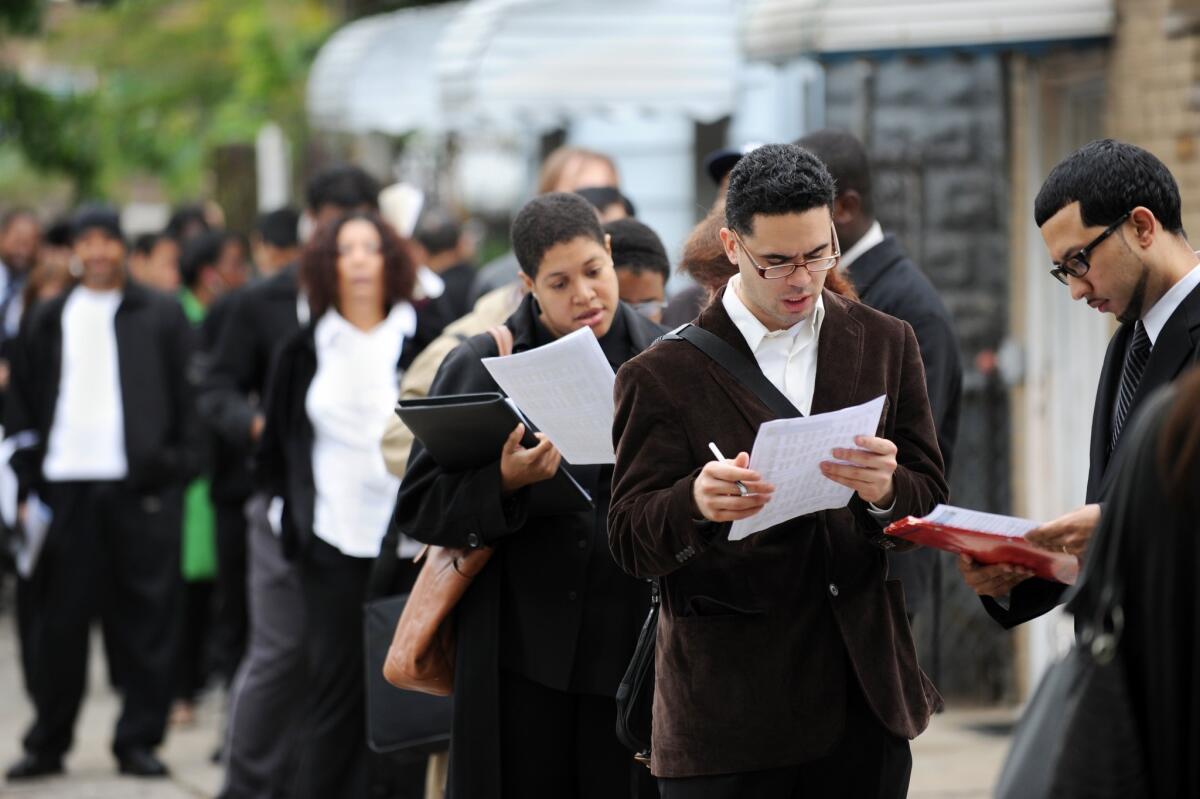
point(988, 548)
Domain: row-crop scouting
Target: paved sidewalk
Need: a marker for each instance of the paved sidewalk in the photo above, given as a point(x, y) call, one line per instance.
point(91, 769)
point(957, 758)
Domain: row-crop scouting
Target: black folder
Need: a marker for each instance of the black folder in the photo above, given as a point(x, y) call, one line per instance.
point(466, 431)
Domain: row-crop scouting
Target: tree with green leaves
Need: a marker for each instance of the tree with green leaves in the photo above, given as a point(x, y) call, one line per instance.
point(172, 80)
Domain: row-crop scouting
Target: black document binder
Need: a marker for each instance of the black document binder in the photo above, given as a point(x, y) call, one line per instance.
point(466, 431)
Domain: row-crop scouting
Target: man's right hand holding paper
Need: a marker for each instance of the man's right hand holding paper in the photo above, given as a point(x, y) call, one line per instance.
point(716, 494)
point(520, 467)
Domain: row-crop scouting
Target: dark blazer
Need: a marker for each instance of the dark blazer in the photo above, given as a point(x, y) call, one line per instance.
point(887, 280)
point(283, 458)
point(552, 605)
point(758, 638)
point(456, 300)
point(260, 317)
point(230, 462)
point(154, 352)
point(1177, 348)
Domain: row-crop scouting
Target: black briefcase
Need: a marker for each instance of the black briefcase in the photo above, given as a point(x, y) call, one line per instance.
point(398, 721)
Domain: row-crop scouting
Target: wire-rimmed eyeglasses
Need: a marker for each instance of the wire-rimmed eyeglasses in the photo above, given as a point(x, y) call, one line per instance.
point(778, 271)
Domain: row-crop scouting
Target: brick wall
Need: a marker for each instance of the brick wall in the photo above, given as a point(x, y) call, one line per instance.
point(1153, 98)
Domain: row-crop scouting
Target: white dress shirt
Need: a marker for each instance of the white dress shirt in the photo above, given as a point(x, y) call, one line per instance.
point(871, 239)
point(1156, 318)
point(788, 358)
point(87, 437)
point(351, 397)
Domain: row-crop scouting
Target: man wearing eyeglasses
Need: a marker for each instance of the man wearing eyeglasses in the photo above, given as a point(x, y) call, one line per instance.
point(785, 663)
point(1110, 216)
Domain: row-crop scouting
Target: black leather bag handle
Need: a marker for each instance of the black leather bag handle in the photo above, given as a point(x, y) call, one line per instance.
point(743, 369)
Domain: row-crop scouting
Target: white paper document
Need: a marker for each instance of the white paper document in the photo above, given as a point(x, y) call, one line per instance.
point(994, 523)
point(566, 389)
point(33, 537)
point(788, 454)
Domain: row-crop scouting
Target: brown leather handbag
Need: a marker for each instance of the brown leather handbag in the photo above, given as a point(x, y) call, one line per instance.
point(421, 657)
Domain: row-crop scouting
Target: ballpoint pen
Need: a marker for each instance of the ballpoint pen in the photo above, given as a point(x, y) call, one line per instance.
point(741, 487)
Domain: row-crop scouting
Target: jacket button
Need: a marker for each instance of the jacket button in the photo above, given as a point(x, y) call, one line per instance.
point(572, 595)
point(833, 589)
point(473, 540)
point(583, 543)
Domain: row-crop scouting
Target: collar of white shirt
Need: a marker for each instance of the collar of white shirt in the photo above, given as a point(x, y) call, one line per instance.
point(429, 284)
point(872, 238)
point(401, 322)
point(1156, 318)
point(755, 331)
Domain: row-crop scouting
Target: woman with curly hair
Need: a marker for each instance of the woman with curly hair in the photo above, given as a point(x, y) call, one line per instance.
point(336, 382)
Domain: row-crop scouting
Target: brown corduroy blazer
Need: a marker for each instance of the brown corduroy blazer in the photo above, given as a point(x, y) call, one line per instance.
point(758, 638)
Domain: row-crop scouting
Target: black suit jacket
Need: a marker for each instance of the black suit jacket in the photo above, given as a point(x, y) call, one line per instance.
point(887, 280)
point(758, 638)
point(283, 459)
point(155, 345)
point(229, 462)
point(258, 320)
point(1177, 348)
point(552, 605)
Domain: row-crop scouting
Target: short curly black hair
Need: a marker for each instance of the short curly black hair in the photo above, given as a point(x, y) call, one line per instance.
point(775, 179)
point(1109, 178)
point(548, 220)
point(637, 247)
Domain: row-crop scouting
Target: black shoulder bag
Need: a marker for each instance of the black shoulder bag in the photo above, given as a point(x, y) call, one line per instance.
point(1077, 739)
point(635, 694)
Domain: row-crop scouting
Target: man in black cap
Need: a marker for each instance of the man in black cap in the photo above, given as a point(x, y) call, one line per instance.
point(719, 163)
point(100, 391)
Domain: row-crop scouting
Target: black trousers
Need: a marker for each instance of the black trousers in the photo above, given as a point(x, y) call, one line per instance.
point(231, 622)
point(110, 552)
point(333, 753)
point(193, 660)
point(867, 763)
point(564, 745)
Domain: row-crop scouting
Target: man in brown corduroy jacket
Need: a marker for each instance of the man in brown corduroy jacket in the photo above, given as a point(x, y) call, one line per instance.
point(785, 664)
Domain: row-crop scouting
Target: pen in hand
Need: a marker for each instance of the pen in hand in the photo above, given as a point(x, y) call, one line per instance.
point(742, 490)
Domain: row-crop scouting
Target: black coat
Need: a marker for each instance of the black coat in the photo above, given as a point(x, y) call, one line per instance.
point(1177, 348)
point(887, 280)
point(155, 345)
point(456, 300)
point(229, 461)
point(1159, 648)
point(552, 605)
point(283, 459)
point(258, 320)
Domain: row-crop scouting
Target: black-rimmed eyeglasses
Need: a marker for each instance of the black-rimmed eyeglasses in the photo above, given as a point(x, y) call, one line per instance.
point(1077, 265)
point(778, 271)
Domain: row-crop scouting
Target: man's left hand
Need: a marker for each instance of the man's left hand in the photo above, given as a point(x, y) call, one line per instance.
point(868, 469)
point(1069, 533)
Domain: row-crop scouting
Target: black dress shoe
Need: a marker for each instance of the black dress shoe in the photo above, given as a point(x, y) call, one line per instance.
point(32, 766)
point(140, 763)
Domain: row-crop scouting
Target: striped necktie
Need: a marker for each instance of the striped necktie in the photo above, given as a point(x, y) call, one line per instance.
point(1131, 375)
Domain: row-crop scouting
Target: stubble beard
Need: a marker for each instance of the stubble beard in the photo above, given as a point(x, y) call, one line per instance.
point(1133, 309)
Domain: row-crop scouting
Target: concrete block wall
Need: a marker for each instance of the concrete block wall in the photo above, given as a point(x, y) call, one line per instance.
point(936, 130)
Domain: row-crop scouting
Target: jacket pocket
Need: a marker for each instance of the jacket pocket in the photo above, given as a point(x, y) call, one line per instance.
point(700, 605)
